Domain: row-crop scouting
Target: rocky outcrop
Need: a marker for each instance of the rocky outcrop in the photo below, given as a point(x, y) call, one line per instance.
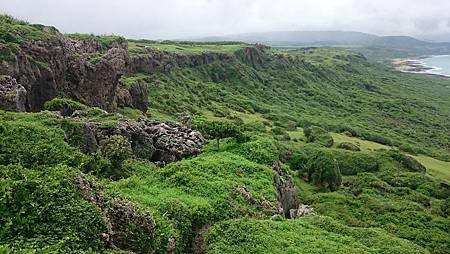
point(122, 219)
point(286, 189)
point(83, 70)
point(89, 142)
point(254, 56)
point(13, 96)
point(154, 141)
point(40, 67)
point(134, 96)
point(152, 60)
point(94, 80)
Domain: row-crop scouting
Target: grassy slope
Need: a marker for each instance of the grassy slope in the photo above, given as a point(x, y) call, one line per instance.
point(307, 235)
point(334, 89)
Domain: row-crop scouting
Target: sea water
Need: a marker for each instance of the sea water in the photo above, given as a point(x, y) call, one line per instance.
point(440, 64)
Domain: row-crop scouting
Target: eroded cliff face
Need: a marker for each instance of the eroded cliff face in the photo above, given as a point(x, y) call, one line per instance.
point(88, 71)
point(152, 60)
point(82, 70)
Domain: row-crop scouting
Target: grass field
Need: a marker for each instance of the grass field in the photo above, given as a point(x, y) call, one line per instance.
point(436, 168)
point(136, 47)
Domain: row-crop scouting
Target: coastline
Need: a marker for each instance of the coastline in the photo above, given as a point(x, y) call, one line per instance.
point(415, 65)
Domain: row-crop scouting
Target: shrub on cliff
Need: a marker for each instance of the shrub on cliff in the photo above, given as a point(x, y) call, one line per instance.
point(116, 149)
point(57, 104)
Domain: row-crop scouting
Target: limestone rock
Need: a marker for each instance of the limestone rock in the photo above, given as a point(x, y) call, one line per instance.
point(157, 141)
point(286, 189)
point(13, 96)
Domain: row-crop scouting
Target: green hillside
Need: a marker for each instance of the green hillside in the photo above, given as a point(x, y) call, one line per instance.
point(366, 147)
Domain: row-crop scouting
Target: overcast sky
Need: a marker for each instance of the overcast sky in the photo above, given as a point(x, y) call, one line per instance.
point(167, 19)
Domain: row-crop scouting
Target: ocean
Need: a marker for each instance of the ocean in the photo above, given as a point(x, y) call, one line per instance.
point(440, 64)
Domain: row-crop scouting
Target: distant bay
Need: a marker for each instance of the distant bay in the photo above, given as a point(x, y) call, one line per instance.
point(436, 65)
point(439, 65)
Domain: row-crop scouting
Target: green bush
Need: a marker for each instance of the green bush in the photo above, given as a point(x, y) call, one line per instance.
point(200, 191)
point(33, 145)
point(218, 129)
point(408, 162)
point(58, 103)
point(322, 169)
point(318, 135)
point(312, 234)
point(117, 149)
point(263, 151)
point(348, 146)
point(351, 163)
point(43, 207)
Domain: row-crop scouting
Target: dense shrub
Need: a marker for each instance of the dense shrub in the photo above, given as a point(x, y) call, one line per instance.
point(351, 163)
point(348, 146)
point(200, 191)
point(32, 145)
point(280, 133)
point(116, 149)
point(313, 234)
point(321, 169)
point(219, 129)
point(408, 162)
point(42, 207)
point(58, 103)
point(262, 151)
point(318, 135)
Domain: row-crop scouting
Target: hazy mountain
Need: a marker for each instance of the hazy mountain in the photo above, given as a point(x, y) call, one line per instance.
point(299, 37)
point(338, 38)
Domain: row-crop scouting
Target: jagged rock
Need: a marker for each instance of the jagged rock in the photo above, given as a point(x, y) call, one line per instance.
point(260, 204)
point(301, 211)
point(89, 142)
point(171, 246)
point(13, 96)
point(134, 96)
point(123, 214)
point(118, 216)
point(254, 56)
point(157, 141)
point(286, 189)
point(173, 141)
point(153, 60)
point(95, 82)
point(185, 119)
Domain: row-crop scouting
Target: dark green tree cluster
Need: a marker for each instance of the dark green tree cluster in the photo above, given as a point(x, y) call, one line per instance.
point(318, 135)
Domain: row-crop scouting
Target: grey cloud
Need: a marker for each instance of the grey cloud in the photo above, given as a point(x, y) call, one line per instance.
point(183, 18)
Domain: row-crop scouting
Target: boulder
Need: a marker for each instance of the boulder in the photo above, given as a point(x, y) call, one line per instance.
point(160, 142)
point(89, 142)
point(13, 96)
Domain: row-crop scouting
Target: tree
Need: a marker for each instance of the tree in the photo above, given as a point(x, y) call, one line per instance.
point(323, 170)
point(318, 135)
point(219, 130)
